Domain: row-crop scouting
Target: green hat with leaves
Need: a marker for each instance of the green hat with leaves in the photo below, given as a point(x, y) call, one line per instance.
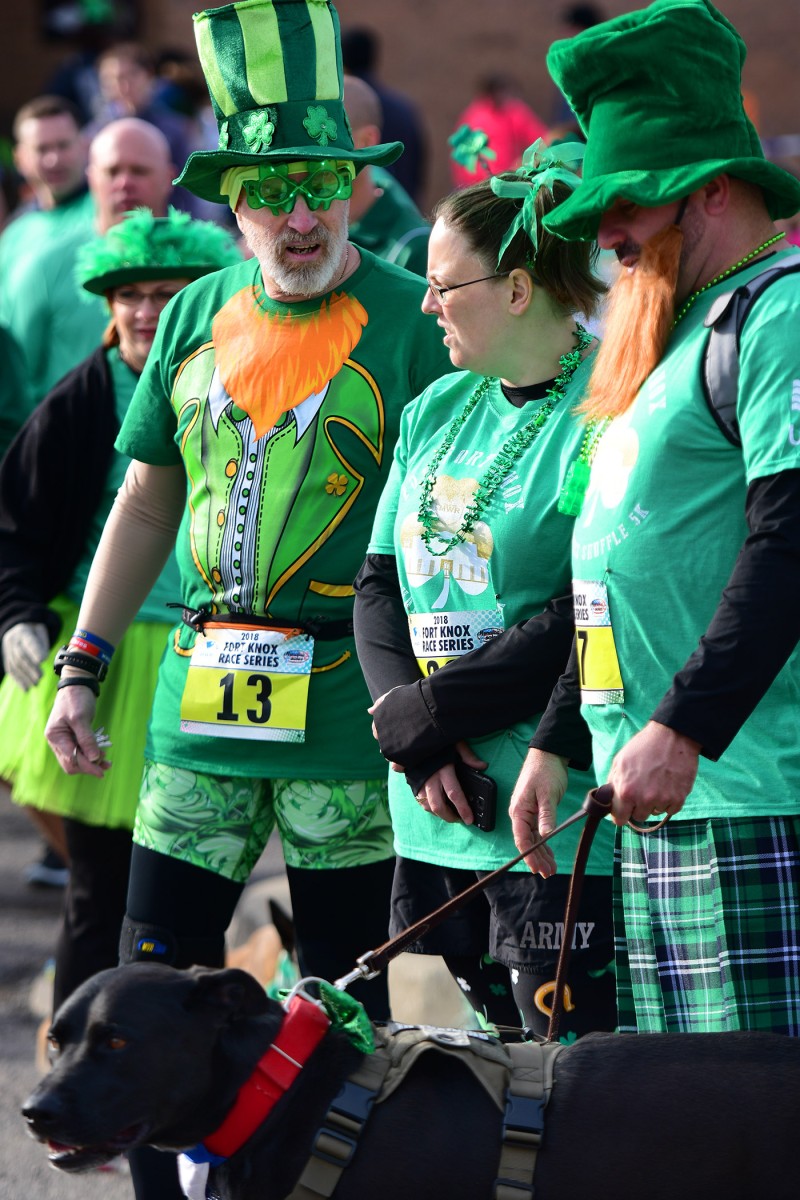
point(146, 247)
point(658, 95)
point(274, 74)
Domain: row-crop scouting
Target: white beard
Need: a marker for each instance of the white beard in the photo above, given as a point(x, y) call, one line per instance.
point(298, 279)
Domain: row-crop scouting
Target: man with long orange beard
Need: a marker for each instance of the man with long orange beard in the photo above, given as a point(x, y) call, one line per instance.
point(261, 432)
point(686, 553)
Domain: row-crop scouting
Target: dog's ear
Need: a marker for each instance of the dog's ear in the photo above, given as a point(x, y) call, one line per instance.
point(282, 920)
point(232, 994)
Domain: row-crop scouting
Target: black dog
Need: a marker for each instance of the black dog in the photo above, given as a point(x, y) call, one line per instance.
point(148, 1055)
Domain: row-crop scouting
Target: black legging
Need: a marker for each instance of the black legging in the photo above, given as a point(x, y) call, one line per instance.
point(197, 904)
point(509, 998)
point(94, 904)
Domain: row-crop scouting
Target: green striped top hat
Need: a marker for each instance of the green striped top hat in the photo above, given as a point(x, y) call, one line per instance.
point(274, 73)
point(658, 94)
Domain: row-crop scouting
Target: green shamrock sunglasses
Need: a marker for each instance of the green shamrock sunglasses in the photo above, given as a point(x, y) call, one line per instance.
point(328, 180)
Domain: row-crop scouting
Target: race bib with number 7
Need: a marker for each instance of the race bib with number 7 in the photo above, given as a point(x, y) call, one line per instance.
point(598, 666)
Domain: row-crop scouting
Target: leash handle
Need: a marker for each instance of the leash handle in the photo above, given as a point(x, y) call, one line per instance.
point(374, 961)
point(596, 806)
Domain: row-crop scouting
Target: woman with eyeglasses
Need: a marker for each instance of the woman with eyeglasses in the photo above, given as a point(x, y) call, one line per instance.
point(57, 484)
point(470, 540)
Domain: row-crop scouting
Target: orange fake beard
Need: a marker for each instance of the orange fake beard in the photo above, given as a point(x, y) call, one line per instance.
point(270, 362)
point(638, 322)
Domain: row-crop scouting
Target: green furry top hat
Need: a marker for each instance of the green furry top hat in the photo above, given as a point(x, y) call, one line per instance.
point(658, 94)
point(274, 74)
point(146, 247)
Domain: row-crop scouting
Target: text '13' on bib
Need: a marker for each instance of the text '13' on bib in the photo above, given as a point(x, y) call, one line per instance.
point(248, 682)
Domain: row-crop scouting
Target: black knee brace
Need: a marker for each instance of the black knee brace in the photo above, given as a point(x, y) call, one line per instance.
point(142, 942)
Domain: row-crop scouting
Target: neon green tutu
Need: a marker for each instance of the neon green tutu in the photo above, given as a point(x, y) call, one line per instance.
point(126, 697)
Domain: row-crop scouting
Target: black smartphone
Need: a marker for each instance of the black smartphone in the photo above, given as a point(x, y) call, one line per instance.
point(481, 793)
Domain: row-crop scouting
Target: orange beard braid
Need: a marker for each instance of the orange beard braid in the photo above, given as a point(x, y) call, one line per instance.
point(639, 316)
point(269, 362)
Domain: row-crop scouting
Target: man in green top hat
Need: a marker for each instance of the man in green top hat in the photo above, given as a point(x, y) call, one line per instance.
point(686, 552)
point(262, 430)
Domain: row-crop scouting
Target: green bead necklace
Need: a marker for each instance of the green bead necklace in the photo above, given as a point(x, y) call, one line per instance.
point(506, 456)
point(576, 480)
point(687, 304)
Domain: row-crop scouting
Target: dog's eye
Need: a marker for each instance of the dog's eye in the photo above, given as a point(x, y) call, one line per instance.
point(53, 1046)
point(115, 1042)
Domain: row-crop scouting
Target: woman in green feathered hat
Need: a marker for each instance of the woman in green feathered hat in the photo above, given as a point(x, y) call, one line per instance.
point(57, 483)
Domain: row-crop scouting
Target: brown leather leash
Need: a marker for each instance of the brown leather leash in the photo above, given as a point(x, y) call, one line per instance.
point(596, 806)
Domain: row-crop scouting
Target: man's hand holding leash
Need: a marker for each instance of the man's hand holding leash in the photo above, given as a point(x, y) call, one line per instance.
point(652, 774)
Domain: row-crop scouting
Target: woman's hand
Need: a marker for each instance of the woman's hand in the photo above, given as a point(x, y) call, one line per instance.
point(534, 804)
point(69, 732)
point(372, 709)
point(442, 795)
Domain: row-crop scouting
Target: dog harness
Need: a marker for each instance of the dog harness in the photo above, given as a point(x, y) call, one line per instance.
point(517, 1078)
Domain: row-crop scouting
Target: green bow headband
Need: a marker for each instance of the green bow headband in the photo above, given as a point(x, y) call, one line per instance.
point(542, 166)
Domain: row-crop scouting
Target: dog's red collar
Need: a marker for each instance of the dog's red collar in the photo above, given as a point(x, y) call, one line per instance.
point(303, 1028)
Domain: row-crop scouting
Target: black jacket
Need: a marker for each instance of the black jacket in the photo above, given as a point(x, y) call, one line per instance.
point(51, 482)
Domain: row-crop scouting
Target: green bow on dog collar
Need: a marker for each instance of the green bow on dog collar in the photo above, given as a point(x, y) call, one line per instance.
point(542, 166)
point(349, 1016)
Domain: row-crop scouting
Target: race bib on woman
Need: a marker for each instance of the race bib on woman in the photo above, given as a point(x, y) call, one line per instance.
point(437, 638)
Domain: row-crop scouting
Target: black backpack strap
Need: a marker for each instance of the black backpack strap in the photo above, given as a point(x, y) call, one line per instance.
point(726, 318)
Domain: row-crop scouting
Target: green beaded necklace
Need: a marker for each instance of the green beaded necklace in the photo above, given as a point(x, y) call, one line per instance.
point(687, 304)
point(576, 480)
point(506, 456)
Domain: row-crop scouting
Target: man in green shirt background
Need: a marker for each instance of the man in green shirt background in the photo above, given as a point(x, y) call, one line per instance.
point(383, 217)
point(129, 167)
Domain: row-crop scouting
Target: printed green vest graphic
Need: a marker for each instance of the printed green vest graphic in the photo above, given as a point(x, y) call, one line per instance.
point(248, 552)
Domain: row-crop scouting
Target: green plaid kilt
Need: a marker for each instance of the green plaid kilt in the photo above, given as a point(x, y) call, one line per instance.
point(707, 926)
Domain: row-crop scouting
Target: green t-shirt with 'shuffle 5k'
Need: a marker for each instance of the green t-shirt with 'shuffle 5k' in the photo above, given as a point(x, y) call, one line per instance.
point(655, 545)
point(513, 562)
point(285, 423)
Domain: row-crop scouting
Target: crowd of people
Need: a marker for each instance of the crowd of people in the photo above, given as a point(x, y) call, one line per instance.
point(426, 533)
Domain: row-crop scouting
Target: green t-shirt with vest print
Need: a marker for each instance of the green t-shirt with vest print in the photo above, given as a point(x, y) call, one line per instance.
point(279, 512)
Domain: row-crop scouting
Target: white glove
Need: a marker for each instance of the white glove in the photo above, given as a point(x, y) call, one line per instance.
point(24, 648)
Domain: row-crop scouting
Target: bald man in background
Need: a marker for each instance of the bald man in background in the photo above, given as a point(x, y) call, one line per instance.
point(129, 167)
point(383, 217)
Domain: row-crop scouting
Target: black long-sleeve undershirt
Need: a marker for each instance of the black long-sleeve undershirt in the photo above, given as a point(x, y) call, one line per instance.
point(507, 680)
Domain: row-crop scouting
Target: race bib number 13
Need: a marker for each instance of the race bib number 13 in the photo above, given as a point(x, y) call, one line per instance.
point(598, 666)
point(248, 683)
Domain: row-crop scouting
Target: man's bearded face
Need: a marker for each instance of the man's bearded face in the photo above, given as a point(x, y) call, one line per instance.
point(301, 255)
point(640, 309)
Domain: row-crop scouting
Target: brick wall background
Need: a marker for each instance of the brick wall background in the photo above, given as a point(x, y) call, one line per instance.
point(435, 49)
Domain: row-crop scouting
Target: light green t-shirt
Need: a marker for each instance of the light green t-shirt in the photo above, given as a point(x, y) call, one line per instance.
point(278, 516)
point(515, 560)
point(167, 589)
point(661, 527)
point(54, 320)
